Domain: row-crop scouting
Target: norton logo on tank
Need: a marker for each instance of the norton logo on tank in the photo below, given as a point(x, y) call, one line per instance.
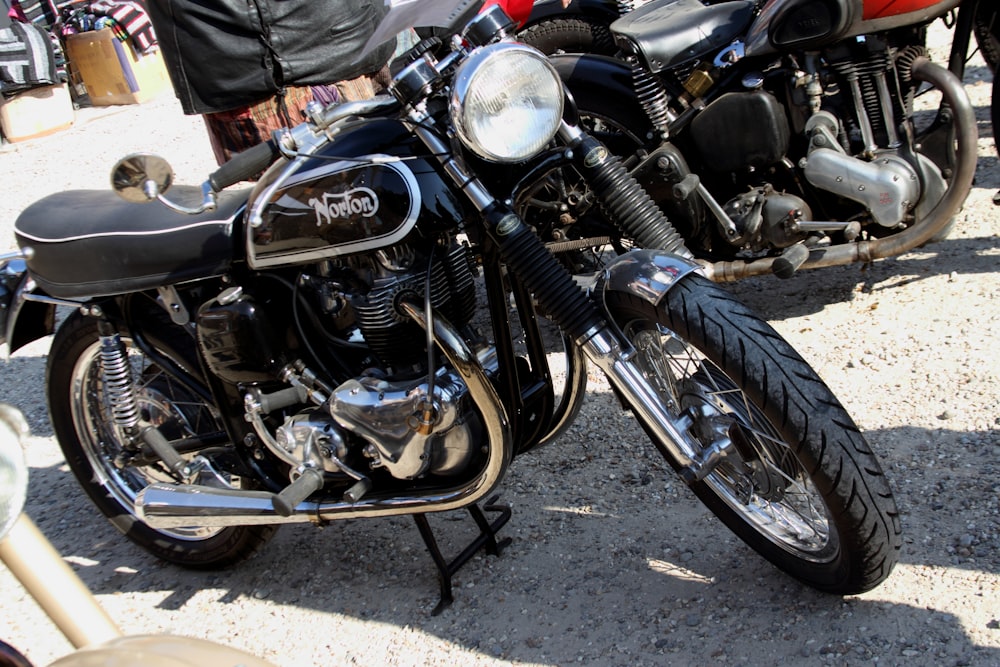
point(357, 202)
point(333, 208)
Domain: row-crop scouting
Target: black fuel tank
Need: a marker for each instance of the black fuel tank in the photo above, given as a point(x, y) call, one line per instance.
point(365, 190)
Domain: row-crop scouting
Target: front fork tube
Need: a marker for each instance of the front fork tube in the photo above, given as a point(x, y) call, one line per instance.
point(569, 306)
point(626, 203)
point(669, 433)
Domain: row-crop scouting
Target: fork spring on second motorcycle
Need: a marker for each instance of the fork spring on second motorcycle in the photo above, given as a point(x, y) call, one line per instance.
point(118, 382)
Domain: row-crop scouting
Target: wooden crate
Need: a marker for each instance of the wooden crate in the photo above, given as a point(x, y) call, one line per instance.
point(112, 71)
point(36, 112)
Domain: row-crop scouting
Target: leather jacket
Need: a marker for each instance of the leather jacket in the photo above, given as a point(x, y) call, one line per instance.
point(226, 54)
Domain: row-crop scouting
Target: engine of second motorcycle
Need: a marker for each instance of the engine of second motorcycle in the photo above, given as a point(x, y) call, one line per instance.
point(388, 415)
point(836, 121)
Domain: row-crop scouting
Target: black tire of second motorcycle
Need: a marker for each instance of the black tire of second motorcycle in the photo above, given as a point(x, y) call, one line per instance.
point(570, 35)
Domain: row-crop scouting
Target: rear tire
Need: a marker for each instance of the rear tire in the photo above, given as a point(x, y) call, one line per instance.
point(986, 27)
point(570, 35)
point(799, 483)
point(90, 441)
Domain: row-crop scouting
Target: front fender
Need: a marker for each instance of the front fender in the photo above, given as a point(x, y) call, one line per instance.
point(159, 651)
point(21, 321)
point(647, 274)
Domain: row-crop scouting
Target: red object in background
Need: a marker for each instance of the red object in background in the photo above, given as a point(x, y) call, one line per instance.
point(519, 10)
point(876, 9)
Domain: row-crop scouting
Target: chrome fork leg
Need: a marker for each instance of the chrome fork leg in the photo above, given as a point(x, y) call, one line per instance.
point(605, 351)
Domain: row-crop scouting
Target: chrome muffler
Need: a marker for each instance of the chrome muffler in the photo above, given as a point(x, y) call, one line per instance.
point(165, 506)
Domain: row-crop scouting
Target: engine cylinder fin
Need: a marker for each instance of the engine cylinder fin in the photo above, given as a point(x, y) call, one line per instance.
point(867, 78)
point(461, 284)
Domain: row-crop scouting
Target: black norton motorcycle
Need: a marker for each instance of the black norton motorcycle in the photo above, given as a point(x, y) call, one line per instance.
point(361, 334)
point(777, 135)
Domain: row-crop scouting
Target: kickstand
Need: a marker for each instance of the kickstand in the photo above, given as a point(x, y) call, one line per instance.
point(486, 538)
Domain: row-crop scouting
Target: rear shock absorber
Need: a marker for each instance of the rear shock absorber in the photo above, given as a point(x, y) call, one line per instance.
point(652, 95)
point(119, 386)
point(118, 379)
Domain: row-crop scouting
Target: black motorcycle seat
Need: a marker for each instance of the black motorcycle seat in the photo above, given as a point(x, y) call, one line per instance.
point(89, 243)
point(668, 33)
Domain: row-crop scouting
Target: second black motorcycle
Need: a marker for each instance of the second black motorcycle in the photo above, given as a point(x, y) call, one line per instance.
point(777, 135)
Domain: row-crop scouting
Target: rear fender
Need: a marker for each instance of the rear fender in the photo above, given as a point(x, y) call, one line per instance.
point(593, 80)
point(21, 321)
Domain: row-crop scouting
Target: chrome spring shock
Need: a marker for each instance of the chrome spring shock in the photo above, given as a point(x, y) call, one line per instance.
point(118, 384)
point(652, 95)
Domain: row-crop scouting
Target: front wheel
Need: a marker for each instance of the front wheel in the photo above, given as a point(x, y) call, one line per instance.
point(81, 411)
point(797, 481)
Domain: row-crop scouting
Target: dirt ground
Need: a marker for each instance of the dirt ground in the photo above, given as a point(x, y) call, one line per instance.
point(612, 561)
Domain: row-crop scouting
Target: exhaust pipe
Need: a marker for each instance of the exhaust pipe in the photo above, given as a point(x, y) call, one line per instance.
point(953, 94)
point(165, 506)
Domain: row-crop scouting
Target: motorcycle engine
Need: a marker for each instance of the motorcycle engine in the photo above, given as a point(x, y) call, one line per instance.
point(399, 273)
point(390, 416)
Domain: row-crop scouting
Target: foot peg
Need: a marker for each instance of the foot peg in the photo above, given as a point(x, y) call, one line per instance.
point(309, 482)
point(790, 261)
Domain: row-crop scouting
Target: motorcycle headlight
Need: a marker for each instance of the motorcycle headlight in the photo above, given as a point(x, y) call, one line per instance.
point(13, 469)
point(507, 102)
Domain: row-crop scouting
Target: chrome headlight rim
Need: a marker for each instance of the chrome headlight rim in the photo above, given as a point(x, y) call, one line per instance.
point(470, 73)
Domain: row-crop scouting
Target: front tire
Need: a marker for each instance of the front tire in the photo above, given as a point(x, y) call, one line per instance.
point(798, 483)
point(80, 411)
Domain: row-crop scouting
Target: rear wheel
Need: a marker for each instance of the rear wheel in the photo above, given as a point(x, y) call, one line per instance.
point(797, 480)
point(986, 26)
point(570, 35)
point(95, 448)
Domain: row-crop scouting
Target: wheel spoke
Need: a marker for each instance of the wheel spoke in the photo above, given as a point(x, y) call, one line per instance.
point(788, 508)
point(162, 401)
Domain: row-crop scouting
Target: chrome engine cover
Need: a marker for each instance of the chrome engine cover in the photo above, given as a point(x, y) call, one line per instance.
point(387, 416)
point(887, 186)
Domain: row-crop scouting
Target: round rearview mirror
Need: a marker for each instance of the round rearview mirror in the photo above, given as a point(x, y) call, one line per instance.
point(141, 177)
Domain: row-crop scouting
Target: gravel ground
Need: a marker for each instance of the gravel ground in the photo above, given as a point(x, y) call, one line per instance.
point(612, 561)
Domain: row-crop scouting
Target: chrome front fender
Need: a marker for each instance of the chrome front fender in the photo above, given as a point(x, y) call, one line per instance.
point(647, 274)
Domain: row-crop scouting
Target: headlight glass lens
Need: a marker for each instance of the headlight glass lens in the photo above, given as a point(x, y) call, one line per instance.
point(13, 469)
point(507, 102)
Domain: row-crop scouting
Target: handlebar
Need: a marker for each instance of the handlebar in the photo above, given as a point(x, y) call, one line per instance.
point(245, 165)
